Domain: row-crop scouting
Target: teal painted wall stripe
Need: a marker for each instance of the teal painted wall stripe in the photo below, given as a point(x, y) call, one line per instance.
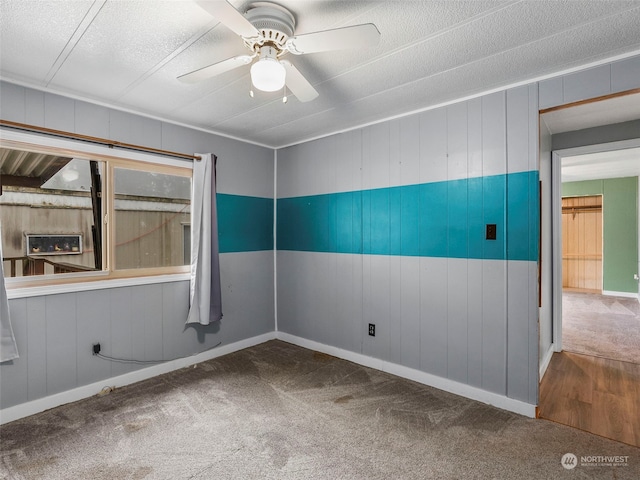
point(245, 224)
point(439, 219)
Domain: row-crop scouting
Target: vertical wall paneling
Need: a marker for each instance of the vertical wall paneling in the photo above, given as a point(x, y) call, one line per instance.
point(534, 319)
point(494, 326)
point(494, 274)
point(550, 92)
point(395, 244)
point(534, 241)
point(474, 138)
point(121, 301)
point(585, 84)
point(436, 289)
point(625, 74)
point(518, 129)
point(12, 103)
point(457, 328)
point(534, 129)
point(297, 268)
point(34, 107)
point(348, 161)
point(434, 314)
point(457, 241)
point(62, 342)
point(493, 134)
point(409, 154)
point(457, 140)
point(518, 198)
point(342, 299)
point(316, 296)
point(285, 288)
point(36, 352)
point(129, 128)
point(91, 120)
point(410, 316)
point(146, 322)
point(518, 330)
point(59, 112)
point(602, 80)
point(55, 332)
point(475, 323)
point(177, 340)
point(433, 145)
point(94, 321)
point(14, 384)
point(409, 309)
point(319, 299)
point(378, 309)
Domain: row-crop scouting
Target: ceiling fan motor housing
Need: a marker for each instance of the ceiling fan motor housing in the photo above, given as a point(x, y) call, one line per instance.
point(275, 24)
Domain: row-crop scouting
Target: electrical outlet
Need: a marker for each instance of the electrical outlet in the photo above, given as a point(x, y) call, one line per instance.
point(635, 276)
point(96, 348)
point(372, 329)
point(492, 230)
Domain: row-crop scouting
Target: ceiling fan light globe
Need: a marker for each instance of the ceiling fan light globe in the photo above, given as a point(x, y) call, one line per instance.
point(268, 75)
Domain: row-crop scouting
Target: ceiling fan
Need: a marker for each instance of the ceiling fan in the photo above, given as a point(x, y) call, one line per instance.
point(267, 30)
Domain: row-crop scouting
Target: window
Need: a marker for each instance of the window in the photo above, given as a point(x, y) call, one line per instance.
point(150, 209)
point(71, 216)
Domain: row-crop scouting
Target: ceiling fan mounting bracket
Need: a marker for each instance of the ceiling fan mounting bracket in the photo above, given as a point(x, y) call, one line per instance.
point(275, 24)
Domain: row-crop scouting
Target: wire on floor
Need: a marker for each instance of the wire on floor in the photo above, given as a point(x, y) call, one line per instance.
point(148, 362)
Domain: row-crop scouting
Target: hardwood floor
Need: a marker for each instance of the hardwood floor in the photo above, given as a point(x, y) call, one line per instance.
point(594, 394)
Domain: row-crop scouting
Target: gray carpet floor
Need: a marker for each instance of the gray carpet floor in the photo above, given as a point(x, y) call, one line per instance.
point(277, 411)
point(601, 326)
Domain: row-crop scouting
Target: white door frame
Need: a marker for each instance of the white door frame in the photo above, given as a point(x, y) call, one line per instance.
point(556, 218)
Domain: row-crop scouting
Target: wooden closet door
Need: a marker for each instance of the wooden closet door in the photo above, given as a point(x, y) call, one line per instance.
point(582, 243)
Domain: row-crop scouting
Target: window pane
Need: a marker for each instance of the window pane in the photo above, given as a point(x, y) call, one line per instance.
point(151, 210)
point(49, 214)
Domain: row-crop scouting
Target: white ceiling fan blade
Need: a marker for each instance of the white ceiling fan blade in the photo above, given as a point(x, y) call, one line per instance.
point(298, 85)
point(358, 36)
point(216, 69)
point(228, 15)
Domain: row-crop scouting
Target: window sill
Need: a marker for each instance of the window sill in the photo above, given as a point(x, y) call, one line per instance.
point(15, 291)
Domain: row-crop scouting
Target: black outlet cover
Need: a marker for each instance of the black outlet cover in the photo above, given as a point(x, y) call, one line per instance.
point(491, 231)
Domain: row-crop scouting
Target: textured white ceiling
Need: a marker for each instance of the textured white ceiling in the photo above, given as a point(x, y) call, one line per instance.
point(594, 114)
point(615, 162)
point(609, 164)
point(127, 54)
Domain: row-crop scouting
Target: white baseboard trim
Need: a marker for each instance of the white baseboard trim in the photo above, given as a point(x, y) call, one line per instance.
point(474, 393)
point(610, 293)
point(41, 404)
point(546, 360)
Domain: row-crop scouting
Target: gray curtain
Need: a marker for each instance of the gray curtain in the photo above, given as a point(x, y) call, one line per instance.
point(8, 347)
point(205, 292)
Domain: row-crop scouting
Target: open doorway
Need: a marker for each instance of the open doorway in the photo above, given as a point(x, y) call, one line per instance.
point(582, 384)
point(598, 202)
point(589, 149)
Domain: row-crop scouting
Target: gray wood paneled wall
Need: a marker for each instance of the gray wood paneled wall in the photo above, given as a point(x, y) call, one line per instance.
point(469, 320)
point(451, 317)
point(482, 323)
point(55, 333)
